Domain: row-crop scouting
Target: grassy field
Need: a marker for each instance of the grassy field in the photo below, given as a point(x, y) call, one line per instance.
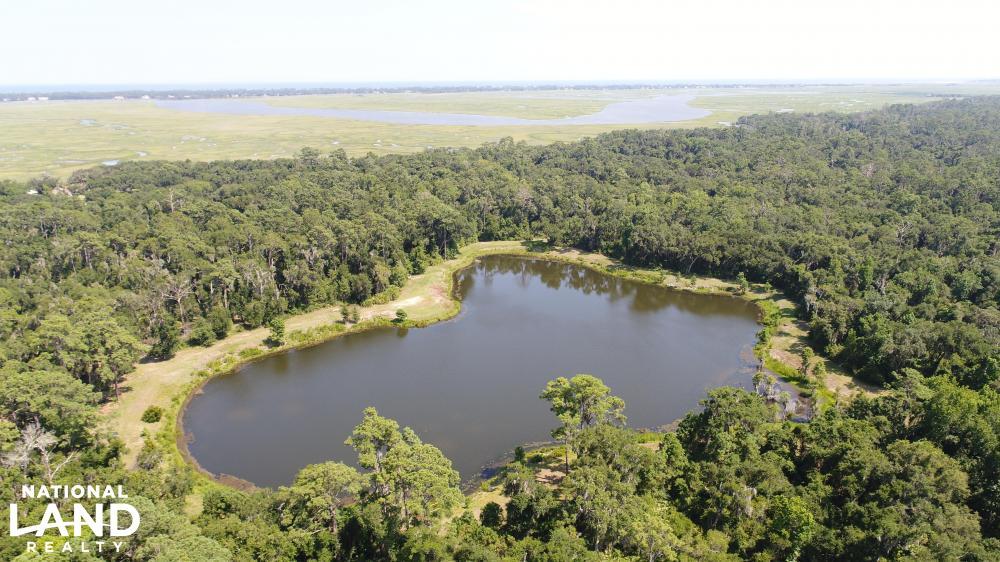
point(58, 137)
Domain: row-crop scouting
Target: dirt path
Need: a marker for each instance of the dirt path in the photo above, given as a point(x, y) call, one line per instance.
point(786, 347)
point(160, 383)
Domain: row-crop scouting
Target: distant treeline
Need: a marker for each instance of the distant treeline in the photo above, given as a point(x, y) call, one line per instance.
point(374, 89)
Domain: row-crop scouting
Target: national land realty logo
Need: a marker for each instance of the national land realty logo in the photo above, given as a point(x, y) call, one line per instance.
point(93, 526)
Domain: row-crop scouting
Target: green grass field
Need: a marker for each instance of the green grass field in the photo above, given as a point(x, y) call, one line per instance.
point(58, 137)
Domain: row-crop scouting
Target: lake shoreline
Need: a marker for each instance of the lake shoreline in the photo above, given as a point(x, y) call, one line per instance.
point(171, 433)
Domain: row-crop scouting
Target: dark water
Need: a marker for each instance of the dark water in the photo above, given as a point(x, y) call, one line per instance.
point(660, 109)
point(470, 385)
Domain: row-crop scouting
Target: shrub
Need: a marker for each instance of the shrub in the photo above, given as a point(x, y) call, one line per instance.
point(743, 286)
point(168, 335)
point(152, 414)
point(150, 456)
point(202, 334)
point(220, 322)
point(277, 335)
point(390, 294)
point(492, 515)
point(250, 352)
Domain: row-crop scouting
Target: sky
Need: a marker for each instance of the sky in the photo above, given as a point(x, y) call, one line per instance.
point(253, 42)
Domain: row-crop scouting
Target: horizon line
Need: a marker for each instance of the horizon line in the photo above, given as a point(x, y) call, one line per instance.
point(305, 84)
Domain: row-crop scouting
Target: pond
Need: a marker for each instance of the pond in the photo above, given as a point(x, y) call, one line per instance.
point(470, 385)
point(660, 109)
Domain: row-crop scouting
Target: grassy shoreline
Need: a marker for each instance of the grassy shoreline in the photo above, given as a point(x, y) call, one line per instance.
point(427, 298)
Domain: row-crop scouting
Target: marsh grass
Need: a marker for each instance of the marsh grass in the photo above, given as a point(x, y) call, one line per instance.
point(59, 137)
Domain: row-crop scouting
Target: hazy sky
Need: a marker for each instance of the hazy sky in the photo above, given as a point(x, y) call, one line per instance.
point(254, 41)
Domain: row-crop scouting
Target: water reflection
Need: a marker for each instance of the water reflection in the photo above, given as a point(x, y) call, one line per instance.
point(659, 109)
point(471, 386)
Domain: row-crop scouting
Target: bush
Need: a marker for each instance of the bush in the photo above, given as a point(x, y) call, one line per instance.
point(277, 336)
point(202, 334)
point(770, 314)
point(743, 286)
point(220, 322)
point(152, 414)
point(492, 516)
point(390, 294)
point(253, 314)
point(250, 352)
point(150, 456)
point(168, 336)
point(401, 316)
point(419, 260)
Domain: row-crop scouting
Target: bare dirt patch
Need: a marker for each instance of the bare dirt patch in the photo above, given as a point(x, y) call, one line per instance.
point(549, 477)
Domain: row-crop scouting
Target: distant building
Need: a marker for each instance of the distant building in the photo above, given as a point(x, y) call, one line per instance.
point(43, 98)
point(119, 98)
point(32, 98)
point(146, 97)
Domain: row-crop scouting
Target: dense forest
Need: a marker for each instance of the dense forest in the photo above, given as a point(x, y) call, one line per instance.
point(884, 227)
